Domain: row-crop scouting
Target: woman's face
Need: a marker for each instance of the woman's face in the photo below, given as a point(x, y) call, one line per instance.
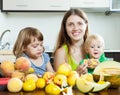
point(35, 48)
point(75, 27)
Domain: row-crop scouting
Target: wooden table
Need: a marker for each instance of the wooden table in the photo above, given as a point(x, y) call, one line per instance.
point(75, 92)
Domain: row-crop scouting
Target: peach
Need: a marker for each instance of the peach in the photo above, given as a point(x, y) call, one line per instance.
point(18, 74)
point(59, 79)
point(7, 67)
point(22, 64)
point(48, 76)
point(14, 85)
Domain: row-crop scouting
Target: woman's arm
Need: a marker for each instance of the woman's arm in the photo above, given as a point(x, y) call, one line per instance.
point(59, 58)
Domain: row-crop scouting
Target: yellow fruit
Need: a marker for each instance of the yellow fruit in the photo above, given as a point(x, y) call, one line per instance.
point(30, 70)
point(64, 69)
point(59, 79)
point(40, 83)
point(29, 85)
point(52, 89)
point(14, 85)
point(71, 79)
point(48, 76)
point(31, 76)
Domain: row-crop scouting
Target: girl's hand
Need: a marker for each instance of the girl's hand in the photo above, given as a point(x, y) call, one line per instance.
point(82, 69)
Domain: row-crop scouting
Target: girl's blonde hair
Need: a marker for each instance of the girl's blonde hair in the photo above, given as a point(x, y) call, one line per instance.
point(93, 37)
point(24, 38)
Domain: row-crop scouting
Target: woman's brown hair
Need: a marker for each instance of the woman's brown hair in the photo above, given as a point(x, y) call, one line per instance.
point(63, 38)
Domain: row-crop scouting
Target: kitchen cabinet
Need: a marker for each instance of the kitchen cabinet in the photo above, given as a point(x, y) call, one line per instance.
point(91, 5)
point(113, 55)
point(114, 5)
point(34, 5)
point(54, 5)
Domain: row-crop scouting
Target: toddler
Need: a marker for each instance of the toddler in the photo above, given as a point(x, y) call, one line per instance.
point(94, 47)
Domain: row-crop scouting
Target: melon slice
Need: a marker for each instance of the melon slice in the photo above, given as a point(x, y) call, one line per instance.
point(108, 71)
point(83, 85)
point(99, 87)
point(108, 68)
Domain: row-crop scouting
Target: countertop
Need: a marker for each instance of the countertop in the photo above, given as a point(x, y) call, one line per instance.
point(108, 50)
point(75, 92)
point(9, 52)
point(6, 52)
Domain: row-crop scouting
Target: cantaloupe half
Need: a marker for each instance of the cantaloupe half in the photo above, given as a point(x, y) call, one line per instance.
point(108, 71)
point(85, 84)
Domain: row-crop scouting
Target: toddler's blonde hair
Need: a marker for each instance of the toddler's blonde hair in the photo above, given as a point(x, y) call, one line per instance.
point(93, 37)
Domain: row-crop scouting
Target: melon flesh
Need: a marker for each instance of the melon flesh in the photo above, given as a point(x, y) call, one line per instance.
point(108, 71)
point(83, 85)
point(108, 68)
point(99, 87)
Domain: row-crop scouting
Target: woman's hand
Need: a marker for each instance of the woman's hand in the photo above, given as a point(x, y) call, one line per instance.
point(82, 69)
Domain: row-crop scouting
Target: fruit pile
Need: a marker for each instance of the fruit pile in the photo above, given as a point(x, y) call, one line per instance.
point(22, 77)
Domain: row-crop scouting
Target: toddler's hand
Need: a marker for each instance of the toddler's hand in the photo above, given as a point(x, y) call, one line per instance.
point(92, 63)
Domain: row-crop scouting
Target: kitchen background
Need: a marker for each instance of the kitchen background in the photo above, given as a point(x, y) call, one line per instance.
point(49, 23)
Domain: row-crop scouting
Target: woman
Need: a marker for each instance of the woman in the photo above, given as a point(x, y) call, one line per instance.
point(69, 47)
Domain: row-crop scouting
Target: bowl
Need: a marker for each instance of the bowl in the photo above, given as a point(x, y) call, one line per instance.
point(3, 83)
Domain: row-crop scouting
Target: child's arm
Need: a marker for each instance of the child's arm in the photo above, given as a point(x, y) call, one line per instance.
point(49, 67)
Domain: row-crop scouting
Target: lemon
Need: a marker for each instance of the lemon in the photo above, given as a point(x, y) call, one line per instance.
point(52, 89)
point(40, 83)
point(29, 85)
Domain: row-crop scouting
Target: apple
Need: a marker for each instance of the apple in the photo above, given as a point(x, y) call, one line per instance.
point(31, 76)
point(71, 79)
point(59, 79)
point(49, 77)
point(64, 69)
point(29, 85)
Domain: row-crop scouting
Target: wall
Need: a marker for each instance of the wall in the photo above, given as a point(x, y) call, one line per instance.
point(49, 25)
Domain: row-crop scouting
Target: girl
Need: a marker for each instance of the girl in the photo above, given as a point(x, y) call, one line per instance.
point(30, 45)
